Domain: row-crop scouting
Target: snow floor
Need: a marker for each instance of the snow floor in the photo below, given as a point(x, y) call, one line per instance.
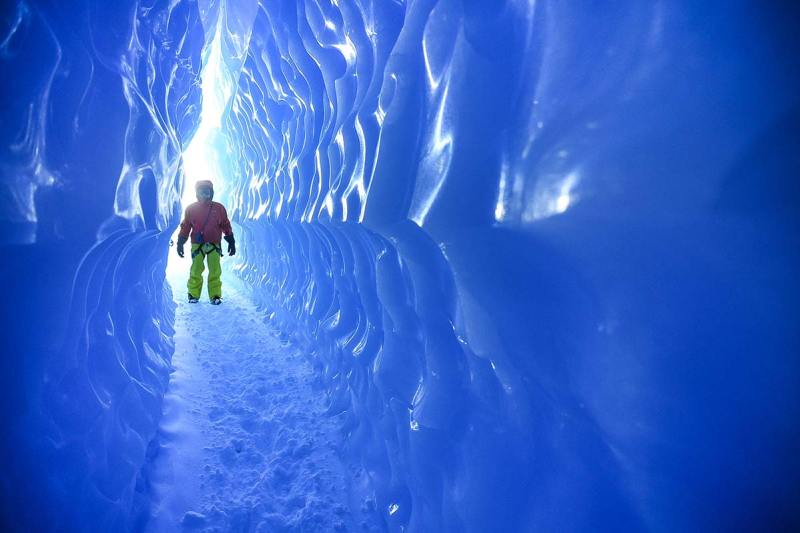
point(245, 444)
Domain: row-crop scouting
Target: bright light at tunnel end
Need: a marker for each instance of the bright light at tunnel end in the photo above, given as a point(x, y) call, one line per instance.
point(203, 157)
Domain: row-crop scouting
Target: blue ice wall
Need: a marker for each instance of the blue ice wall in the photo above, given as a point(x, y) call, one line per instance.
point(544, 254)
point(97, 99)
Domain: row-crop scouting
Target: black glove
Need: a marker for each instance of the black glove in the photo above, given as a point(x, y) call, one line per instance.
point(231, 244)
point(181, 242)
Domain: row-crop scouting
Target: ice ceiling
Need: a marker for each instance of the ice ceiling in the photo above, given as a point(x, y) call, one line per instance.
point(543, 254)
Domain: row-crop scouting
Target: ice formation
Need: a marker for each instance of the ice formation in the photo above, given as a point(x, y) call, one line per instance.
point(542, 254)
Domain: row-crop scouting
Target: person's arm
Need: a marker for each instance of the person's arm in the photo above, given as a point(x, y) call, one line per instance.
point(183, 235)
point(227, 230)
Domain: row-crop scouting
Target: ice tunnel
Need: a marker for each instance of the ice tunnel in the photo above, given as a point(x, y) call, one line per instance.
point(542, 256)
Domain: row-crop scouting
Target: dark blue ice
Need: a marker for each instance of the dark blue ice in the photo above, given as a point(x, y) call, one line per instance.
point(543, 256)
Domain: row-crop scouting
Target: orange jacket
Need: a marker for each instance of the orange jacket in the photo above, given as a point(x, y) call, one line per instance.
point(207, 218)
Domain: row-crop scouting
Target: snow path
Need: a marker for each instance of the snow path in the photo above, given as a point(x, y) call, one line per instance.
point(244, 444)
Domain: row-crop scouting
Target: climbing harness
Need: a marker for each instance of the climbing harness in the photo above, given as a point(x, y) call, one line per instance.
point(206, 248)
point(202, 248)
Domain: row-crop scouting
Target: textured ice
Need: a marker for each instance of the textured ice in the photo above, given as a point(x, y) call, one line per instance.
point(542, 254)
point(98, 99)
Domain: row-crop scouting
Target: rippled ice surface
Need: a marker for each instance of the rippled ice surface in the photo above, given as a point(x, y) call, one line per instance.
point(541, 255)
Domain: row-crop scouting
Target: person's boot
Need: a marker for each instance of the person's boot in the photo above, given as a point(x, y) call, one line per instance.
point(193, 300)
point(216, 300)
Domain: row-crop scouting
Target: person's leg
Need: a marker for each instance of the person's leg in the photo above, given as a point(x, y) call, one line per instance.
point(214, 275)
point(195, 284)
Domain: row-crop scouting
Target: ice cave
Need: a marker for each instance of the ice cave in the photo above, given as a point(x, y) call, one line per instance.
point(500, 266)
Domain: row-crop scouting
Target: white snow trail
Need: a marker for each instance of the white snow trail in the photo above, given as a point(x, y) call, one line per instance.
point(244, 443)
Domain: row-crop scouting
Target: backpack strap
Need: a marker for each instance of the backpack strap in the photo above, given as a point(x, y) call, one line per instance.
point(208, 217)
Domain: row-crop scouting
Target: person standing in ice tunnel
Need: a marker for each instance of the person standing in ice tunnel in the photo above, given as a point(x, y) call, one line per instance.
point(207, 221)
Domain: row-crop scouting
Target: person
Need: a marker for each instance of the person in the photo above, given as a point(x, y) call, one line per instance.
point(207, 221)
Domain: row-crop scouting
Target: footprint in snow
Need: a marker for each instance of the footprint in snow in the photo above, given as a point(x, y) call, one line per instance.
point(193, 520)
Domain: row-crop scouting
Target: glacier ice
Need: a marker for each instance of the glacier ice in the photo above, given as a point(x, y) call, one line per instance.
point(98, 99)
point(543, 255)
